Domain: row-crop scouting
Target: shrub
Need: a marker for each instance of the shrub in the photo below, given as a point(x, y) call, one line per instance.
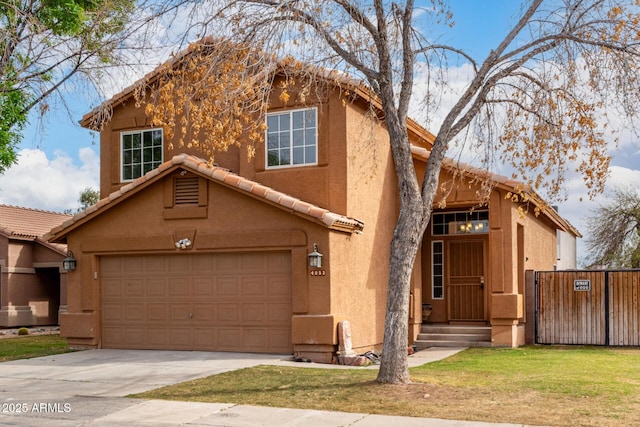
point(23, 331)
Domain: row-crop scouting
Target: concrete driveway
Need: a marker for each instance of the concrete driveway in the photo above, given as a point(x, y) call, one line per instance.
point(89, 388)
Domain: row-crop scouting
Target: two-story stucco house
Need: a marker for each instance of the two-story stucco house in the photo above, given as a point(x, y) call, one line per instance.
point(181, 255)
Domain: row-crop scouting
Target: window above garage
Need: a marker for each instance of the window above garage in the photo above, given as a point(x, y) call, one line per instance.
point(292, 138)
point(140, 152)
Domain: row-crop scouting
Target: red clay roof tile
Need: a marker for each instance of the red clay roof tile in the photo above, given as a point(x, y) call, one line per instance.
point(224, 176)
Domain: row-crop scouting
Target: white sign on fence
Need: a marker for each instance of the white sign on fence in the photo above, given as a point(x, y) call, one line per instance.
point(582, 285)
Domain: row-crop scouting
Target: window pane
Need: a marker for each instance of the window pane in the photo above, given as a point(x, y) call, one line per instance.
point(126, 142)
point(147, 139)
point(310, 155)
point(310, 137)
point(285, 122)
point(298, 156)
point(126, 157)
point(311, 118)
point(437, 246)
point(298, 138)
point(147, 153)
point(272, 123)
point(285, 140)
point(272, 158)
point(157, 154)
point(272, 141)
point(126, 173)
point(437, 293)
point(136, 140)
point(157, 137)
point(285, 157)
point(147, 167)
point(298, 120)
point(136, 156)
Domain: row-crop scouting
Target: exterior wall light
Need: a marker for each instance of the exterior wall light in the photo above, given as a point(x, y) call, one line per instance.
point(315, 257)
point(69, 263)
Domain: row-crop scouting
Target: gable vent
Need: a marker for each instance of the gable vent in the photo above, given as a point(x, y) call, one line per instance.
point(186, 190)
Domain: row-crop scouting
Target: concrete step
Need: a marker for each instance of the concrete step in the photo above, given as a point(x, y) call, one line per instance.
point(458, 337)
point(445, 335)
point(422, 345)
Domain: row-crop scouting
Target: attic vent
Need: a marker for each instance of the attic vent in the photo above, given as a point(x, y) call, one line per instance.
point(186, 190)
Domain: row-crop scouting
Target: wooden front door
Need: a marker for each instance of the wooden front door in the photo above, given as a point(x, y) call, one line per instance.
point(465, 280)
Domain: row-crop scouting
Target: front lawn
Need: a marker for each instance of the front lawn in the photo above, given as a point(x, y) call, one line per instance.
point(26, 347)
point(557, 386)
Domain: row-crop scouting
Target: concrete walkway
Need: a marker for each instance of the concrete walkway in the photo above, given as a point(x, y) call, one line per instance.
point(89, 388)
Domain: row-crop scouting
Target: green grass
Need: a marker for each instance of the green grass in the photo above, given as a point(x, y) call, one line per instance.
point(533, 385)
point(26, 347)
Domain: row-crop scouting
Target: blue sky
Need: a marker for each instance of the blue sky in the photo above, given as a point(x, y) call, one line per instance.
point(58, 158)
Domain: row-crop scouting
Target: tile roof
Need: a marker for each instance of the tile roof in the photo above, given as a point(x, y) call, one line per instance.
point(503, 182)
point(30, 224)
point(93, 119)
point(224, 177)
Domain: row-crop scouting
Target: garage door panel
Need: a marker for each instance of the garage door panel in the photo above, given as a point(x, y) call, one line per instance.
point(227, 287)
point(157, 312)
point(179, 312)
point(229, 338)
point(218, 302)
point(228, 313)
point(204, 312)
point(204, 287)
point(204, 338)
point(134, 288)
point(278, 286)
point(279, 314)
point(112, 312)
point(177, 264)
point(132, 265)
point(156, 287)
point(254, 314)
point(179, 287)
point(254, 288)
point(112, 288)
point(134, 312)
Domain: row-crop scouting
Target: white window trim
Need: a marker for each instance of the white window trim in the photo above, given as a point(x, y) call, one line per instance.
point(120, 153)
point(433, 275)
point(266, 139)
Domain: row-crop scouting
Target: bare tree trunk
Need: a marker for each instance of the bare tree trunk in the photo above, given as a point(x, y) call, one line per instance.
point(404, 246)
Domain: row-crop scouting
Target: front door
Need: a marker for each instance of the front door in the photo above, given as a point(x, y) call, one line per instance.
point(465, 280)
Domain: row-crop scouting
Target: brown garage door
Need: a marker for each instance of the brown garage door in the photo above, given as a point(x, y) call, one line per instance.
point(215, 302)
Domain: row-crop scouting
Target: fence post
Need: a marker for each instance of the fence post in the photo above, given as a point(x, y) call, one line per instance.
point(530, 307)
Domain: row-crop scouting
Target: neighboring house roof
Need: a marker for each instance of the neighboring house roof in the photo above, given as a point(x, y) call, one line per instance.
point(221, 176)
point(30, 224)
point(504, 183)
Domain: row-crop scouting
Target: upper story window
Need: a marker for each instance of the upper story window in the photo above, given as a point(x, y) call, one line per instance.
point(141, 151)
point(292, 138)
point(451, 223)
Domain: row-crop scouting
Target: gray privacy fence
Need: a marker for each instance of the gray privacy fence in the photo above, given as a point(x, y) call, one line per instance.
point(600, 307)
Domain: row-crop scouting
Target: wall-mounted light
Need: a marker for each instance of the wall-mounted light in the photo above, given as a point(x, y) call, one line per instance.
point(69, 263)
point(315, 257)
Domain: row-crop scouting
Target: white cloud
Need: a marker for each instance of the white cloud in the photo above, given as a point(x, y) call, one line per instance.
point(49, 184)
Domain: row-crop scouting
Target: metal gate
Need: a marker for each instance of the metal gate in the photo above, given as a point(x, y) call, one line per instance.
point(599, 307)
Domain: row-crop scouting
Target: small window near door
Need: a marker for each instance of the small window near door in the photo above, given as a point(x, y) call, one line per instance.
point(437, 269)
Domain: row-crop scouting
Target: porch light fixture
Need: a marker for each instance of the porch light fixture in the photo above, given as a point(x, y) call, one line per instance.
point(69, 263)
point(315, 257)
